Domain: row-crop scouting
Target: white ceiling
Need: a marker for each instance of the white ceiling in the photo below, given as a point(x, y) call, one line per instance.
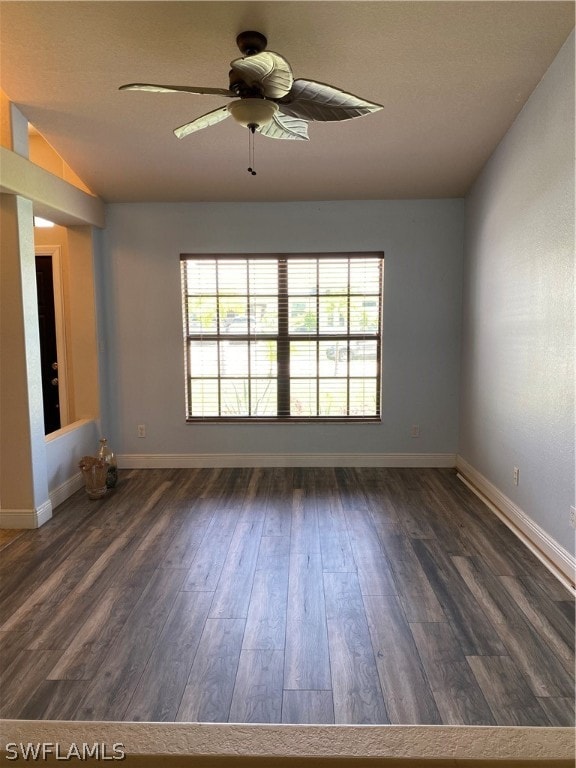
point(452, 76)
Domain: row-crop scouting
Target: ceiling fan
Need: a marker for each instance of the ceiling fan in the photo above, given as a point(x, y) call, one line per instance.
point(266, 96)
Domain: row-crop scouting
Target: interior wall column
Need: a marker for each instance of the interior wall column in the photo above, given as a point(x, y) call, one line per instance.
point(24, 498)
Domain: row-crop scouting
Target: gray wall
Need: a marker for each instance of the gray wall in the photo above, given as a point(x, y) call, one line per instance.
point(142, 349)
point(517, 401)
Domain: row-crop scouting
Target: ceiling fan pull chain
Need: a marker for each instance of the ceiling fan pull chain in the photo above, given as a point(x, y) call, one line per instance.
point(251, 130)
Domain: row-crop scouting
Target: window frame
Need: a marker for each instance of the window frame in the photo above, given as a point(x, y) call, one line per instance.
point(283, 339)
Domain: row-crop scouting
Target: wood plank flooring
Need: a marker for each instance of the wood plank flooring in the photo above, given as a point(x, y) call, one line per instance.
point(350, 596)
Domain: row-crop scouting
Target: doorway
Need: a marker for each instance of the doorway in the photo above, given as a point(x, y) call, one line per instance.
point(51, 330)
point(48, 346)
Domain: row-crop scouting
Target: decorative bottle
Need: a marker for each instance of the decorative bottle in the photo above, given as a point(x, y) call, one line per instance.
point(108, 456)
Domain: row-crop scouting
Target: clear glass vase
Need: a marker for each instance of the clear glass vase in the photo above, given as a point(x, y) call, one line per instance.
point(108, 456)
point(94, 471)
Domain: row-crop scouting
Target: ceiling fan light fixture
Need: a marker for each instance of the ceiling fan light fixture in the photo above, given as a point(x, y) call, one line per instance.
point(253, 112)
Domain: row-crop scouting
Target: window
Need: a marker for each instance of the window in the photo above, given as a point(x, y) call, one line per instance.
point(284, 338)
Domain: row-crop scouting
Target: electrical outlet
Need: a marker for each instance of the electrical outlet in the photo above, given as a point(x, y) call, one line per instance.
point(141, 430)
point(573, 517)
point(415, 430)
point(516, 475)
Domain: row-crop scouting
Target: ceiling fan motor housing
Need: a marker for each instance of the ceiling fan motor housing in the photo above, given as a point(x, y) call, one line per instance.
point(241, 88)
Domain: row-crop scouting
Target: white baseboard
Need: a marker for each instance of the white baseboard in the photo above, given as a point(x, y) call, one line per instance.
point(26, 518)
point(34, 518)
point(216, 460)
point(557, 559)
point(66, 489)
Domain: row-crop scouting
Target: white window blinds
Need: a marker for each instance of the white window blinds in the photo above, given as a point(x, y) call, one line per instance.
point(289, 337)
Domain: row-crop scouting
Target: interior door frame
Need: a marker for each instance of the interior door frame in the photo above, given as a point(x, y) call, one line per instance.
point(55, 252)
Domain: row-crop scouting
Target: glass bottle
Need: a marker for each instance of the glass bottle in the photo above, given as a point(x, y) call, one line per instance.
point(108, 456)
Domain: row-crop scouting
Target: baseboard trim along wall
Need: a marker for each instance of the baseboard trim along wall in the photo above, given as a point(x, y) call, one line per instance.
point(550, 553)
point(26, 518)
point(66, 489)
point(217, 460)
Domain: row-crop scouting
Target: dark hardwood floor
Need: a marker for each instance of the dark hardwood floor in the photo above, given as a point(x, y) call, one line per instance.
point(283, 595)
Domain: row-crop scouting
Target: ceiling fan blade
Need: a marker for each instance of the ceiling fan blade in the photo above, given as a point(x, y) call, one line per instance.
point(310, 100)
point(176, 88)
point(268, 69)
point(205, 121)
point(285, 127)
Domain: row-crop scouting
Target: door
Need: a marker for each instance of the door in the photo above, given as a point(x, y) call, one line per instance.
point(48, 350)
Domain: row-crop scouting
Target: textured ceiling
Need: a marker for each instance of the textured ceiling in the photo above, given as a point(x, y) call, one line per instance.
point(452, 76)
